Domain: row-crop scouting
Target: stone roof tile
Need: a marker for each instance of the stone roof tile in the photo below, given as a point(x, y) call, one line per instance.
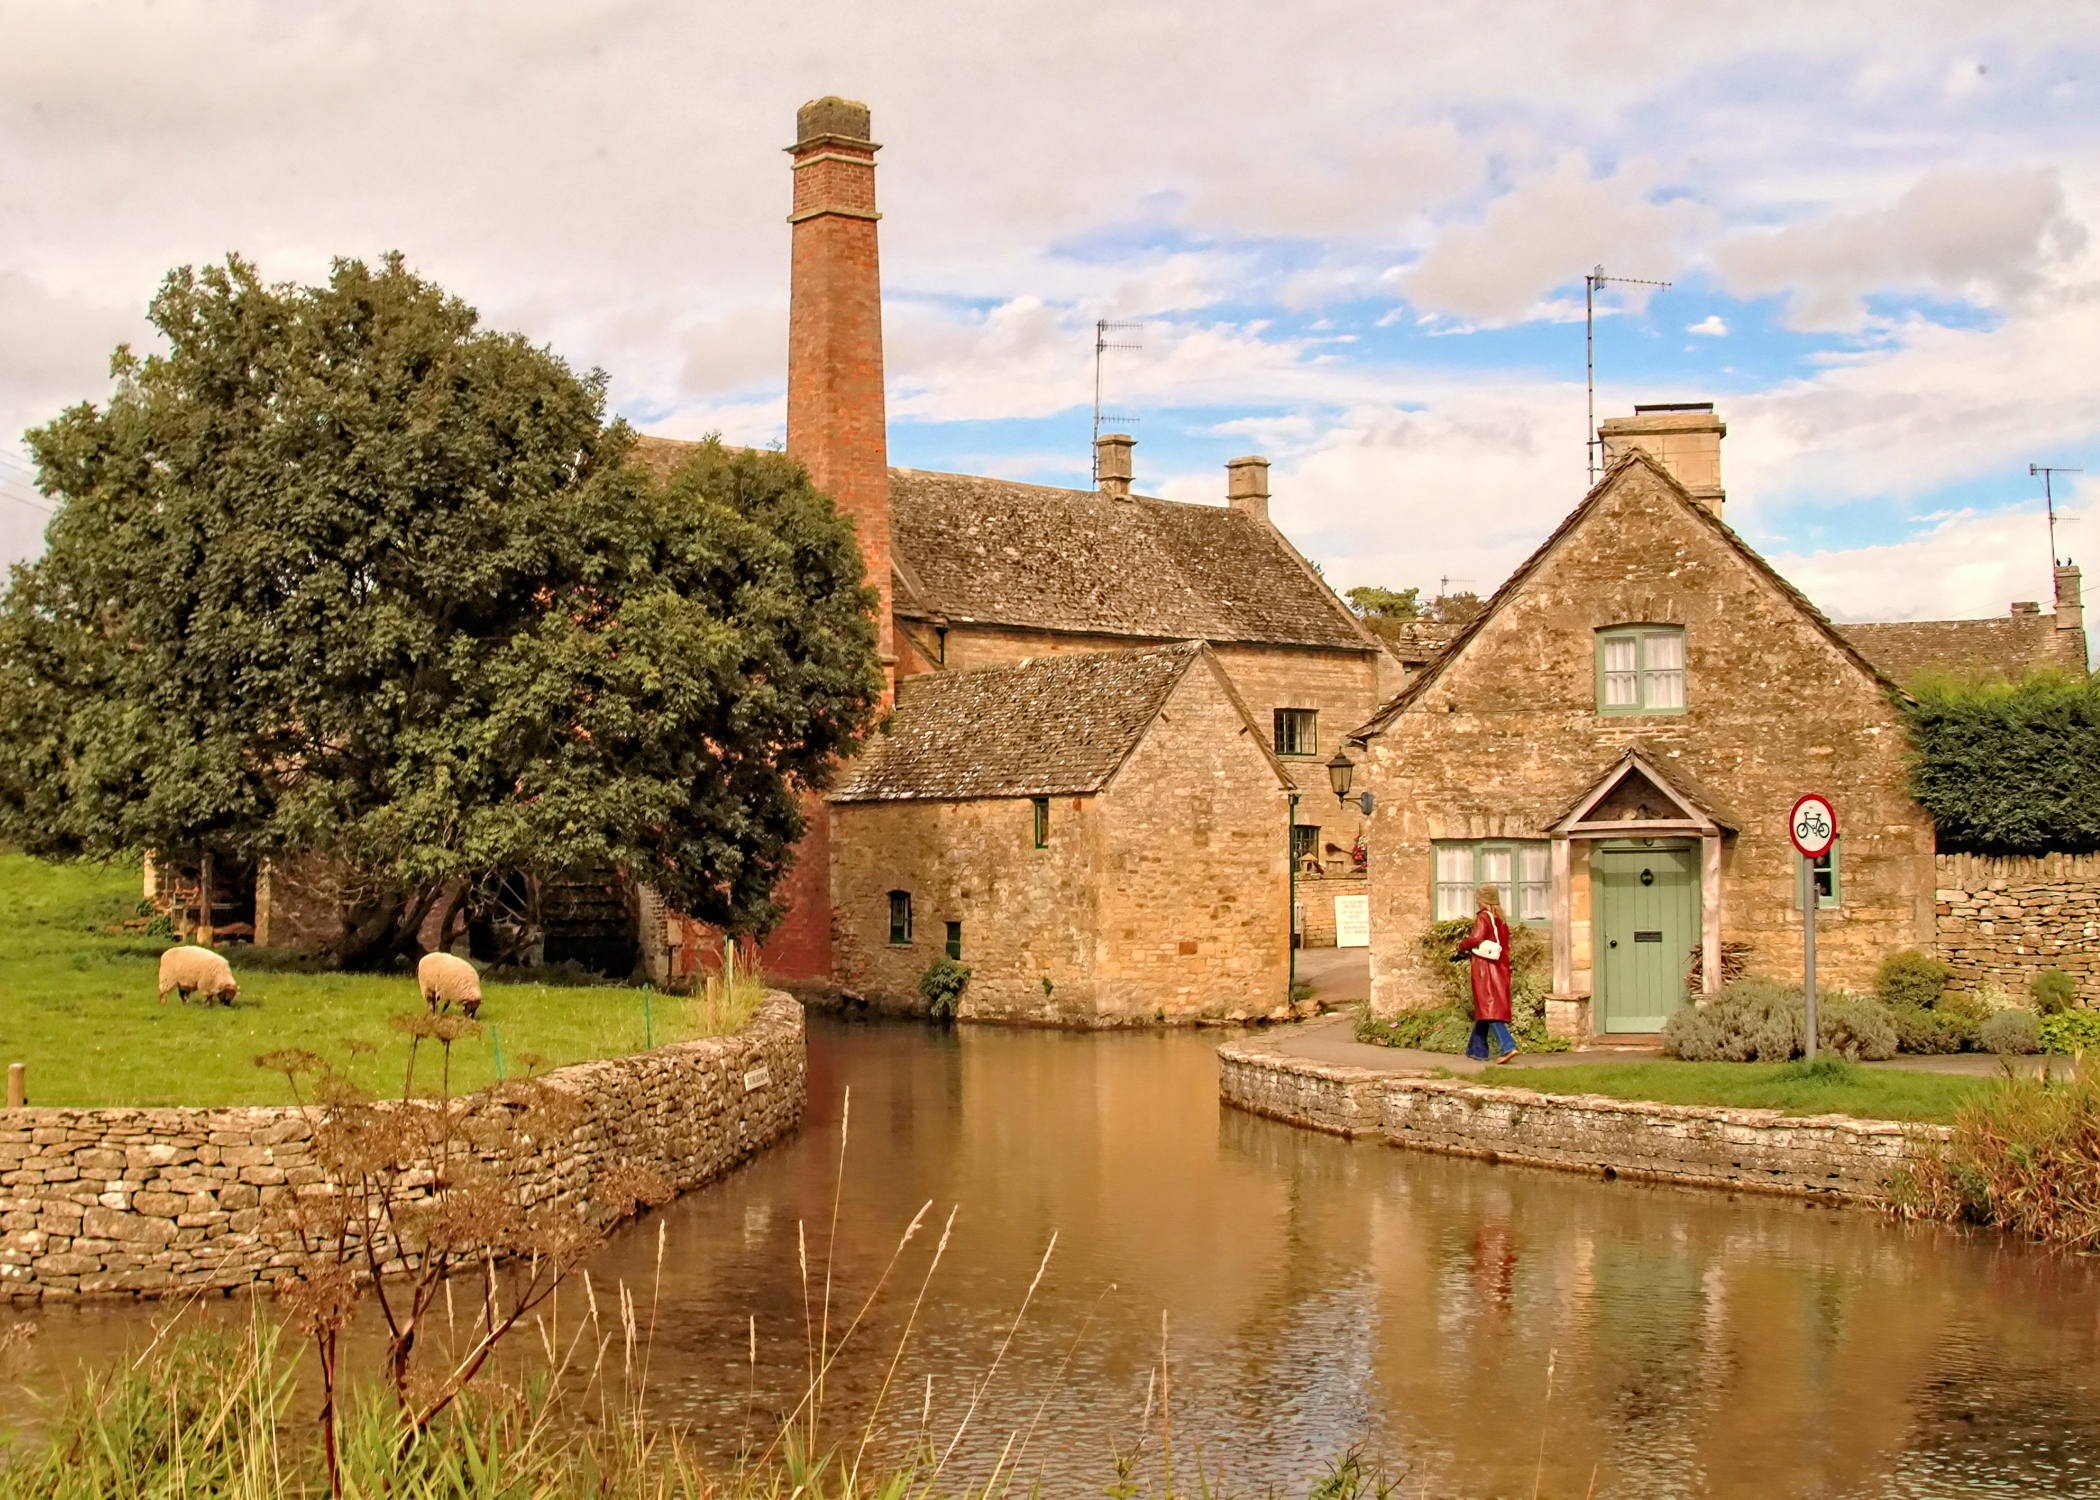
point(1048, 726)
point(2005, 646)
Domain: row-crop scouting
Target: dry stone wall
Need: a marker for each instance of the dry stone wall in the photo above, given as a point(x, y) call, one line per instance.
point(162, 1202)
point(2003, 921)
point(1758, 1150)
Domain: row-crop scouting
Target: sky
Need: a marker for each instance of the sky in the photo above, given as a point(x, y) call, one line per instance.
point(1352, 236)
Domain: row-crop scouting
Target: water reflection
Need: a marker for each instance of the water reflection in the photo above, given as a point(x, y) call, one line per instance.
point(1318, 1293)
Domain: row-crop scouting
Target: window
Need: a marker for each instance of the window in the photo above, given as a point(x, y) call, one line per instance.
point(955, 941)
point(900, 916)
point(1640, 670)
point(1042, 822)
point(1305, 842)
point(1521, 870)
point(1297, 731)
point(1823, 870)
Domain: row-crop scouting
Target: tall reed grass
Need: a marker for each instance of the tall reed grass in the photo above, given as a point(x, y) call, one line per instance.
point(2025, 1157)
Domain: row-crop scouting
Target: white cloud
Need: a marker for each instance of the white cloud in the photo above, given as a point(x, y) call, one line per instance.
point(1967, 566)
point(1711, 326)
point(1983, 236)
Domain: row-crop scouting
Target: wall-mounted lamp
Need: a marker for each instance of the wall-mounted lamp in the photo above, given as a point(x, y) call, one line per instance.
point(1341, 771)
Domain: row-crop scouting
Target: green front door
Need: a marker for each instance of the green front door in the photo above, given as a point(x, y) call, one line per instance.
point(1647, 914)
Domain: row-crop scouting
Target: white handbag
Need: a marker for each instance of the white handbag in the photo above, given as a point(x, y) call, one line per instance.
point(1488, 949)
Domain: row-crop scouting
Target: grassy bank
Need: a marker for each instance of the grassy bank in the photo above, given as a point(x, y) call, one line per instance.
point(2025, 1157)
point(78, 1006)
point(1824, 1087)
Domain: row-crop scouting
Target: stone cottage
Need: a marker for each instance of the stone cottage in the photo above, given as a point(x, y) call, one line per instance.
point(1098, 836)
point(1616, 743)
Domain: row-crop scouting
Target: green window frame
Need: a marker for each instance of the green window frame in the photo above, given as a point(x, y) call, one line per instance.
point(1297, 731)
point(1824, 869)
point(954, 945)
point(1640, 670)
point(1521, 869)
point(900, 918)
point(1305, 842)
point(1042, 822)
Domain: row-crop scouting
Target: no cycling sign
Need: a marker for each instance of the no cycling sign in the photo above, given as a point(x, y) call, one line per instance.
point(1813, 825)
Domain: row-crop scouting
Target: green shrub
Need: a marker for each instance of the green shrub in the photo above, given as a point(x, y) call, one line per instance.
point(2008, 768)
point(1761, 1020)
point(2025, 1157)
point(1445, 1027)
point(942, 985)
point(1913, 978)
point(1934, 1032)
point(2070, 1031)
point(2053, 991)
point(2011, 1033)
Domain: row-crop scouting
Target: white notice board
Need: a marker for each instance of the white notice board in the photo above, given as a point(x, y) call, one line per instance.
point(1352, 921)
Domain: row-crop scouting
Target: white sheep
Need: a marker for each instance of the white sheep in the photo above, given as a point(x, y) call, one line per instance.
point(446, 980)
point(196, 969)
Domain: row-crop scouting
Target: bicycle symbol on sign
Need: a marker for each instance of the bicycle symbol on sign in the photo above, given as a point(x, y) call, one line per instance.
point(1813, 826)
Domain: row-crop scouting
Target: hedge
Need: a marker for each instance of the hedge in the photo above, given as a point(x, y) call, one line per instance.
point(2008, 768)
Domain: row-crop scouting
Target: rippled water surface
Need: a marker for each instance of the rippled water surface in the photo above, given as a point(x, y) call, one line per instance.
point(1318, 1294)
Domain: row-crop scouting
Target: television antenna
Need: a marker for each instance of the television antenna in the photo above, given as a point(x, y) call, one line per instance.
point(2049, 499)
point(1590, 284)
point(1102, 344)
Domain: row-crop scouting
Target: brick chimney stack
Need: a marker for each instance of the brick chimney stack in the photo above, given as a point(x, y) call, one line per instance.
point(1683, 436)
point(2070, 597)
point(1112, 463)
point(836, 421)
point(1247, 485)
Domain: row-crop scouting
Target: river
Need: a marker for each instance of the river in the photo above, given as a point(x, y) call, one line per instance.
point(1310, 1294)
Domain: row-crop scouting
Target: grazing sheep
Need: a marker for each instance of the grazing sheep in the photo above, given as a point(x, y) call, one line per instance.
point(446, 981)
point(196, 969)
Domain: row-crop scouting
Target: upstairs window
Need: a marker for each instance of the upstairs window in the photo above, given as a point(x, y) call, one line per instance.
point(1297, 731)
point(1042, 822)
point(1640, 670)
point(900, 917)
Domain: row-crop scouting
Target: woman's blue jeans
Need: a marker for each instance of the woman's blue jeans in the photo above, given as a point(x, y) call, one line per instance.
point(1477, 1043)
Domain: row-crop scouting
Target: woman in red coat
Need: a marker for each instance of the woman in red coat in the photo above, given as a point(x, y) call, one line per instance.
point(1487, 945)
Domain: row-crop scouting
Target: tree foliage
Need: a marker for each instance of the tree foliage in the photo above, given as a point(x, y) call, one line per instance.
point(2008, 768)
point(1390, 614)
point(340, 572)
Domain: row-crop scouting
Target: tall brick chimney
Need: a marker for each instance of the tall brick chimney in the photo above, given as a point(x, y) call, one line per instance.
point(1112, 469)
point(836, 422)
point(1684, 437)
point(1247, 485)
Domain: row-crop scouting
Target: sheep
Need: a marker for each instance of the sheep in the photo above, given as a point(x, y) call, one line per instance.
point(198, 969)
point(446, 981)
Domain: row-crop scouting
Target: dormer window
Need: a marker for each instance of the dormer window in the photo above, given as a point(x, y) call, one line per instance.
point(1640, 669)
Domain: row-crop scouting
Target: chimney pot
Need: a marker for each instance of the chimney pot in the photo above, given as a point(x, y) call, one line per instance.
point(1247, 485)
point(1112, 463)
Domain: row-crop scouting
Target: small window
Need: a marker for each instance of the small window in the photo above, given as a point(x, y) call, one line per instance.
point(1640, 670)
point(900, 916)
point(1305, 842)
point(1823, 870)
point(1297, 731)
point(1521, 871)
point(1042, 822)
point(955, 941)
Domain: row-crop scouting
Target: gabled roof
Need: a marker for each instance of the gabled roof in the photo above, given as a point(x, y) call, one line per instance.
point(1049, 726)
point(1421, 682)
point(2005, 646)
point(1693, 807)
point(993, 552)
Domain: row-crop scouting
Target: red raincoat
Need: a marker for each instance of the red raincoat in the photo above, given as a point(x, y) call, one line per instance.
point(1490, 975)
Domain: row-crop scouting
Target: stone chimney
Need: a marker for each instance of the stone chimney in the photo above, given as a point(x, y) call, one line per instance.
point(836, 422)
point(1247, 485)
point(2070, 597)
point(1684, 437)
point(1112, 464)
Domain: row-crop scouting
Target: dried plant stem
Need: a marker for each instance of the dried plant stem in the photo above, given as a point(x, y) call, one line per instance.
point(1004, 1345)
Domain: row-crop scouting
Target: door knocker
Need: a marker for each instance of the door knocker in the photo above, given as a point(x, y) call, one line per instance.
point(1647, 877)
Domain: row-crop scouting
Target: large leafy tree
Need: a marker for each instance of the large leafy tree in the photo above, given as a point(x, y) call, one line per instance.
point(341, 573)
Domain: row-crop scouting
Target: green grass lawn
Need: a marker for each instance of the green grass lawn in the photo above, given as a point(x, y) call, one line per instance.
point(77, 1005)
point(1824, 1087)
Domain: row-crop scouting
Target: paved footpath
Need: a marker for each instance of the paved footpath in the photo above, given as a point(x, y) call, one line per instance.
point(1341, 979)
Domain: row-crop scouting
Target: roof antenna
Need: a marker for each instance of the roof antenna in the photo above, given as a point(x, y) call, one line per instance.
point(1590, 284)
point(2049, 499)
point(1102, 329)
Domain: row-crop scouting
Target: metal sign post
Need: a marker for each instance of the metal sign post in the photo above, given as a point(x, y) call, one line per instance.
point(1812, 825)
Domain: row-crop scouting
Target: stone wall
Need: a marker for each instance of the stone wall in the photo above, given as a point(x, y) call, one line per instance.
point(2003, 921)
point(160, 1202)
point(1316, 895)
point(1757, 1150)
